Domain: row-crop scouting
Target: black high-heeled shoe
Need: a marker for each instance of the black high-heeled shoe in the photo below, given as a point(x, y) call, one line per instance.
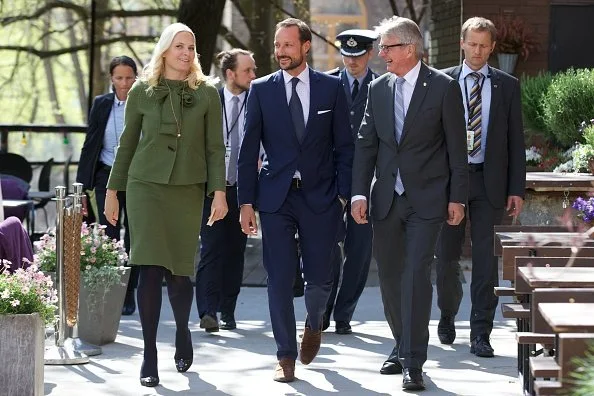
point(149, 381)
point(182, 364)
point(148, 371)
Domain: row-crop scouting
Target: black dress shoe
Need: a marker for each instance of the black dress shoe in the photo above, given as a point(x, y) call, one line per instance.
point(481, 347)
point(129, 304)
point(392, 364)
point(149, 381)
point(446, 330)
point(343, 327)
point(228, 324)
point(412, 379)
point(182, 365)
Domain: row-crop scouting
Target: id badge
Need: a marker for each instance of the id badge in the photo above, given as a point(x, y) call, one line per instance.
point(227, 156)
point(469, 140)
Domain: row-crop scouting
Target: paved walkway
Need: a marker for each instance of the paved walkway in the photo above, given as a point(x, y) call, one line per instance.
point(241, 362)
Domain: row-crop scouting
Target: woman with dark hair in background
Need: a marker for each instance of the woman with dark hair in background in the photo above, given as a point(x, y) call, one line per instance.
point(106, 122)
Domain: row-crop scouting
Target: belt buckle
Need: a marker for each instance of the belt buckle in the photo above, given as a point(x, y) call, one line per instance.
point(297, 183)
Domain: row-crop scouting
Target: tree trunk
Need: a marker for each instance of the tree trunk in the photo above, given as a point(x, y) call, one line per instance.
point(204, 18)
point(261, 35)
point(80, 80)
point(97, 73)
point(49, 74)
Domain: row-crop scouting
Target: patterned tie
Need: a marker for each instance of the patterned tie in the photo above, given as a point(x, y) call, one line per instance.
point(398, 125)
point(355, 89)
point(296, 111)
point(234, 142)
point(475, 106)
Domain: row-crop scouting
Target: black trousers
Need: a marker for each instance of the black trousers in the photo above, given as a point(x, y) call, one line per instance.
point(403, 246)
point(483, 217)
point(220, 271)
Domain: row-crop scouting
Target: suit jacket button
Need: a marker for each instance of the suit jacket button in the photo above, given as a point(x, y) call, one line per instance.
point(351, 126)
point(352, 112)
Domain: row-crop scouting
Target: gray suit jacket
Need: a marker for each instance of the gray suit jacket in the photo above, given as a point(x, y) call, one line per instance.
point(431, 154)
point(505, 157)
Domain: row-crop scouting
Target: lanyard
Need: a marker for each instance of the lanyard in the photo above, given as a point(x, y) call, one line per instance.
point(471, 110)
point(234, 122)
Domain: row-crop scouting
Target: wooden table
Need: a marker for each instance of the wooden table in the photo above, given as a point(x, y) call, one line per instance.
point(540, 239)
point(568, 317)
point(557, 276)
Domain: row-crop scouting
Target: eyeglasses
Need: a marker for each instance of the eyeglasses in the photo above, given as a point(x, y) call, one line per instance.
point(387, 47)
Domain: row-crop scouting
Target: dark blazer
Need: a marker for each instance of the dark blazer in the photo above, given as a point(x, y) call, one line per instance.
point(431, 154)
point(324, 158)
point(505, 158)
point(93, 144)
point(357, 106)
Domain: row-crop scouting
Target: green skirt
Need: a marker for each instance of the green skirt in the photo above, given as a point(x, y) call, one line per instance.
point(164, 223)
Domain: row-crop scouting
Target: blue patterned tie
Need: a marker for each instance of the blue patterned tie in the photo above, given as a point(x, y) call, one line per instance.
point(398, 125)
point(297, 111)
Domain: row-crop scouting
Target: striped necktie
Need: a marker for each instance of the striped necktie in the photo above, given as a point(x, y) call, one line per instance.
point(475, 106)
point(398, 125)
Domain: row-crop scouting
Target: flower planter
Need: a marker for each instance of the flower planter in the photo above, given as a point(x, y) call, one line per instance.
point(507, 62)
point(21, 352)
point(99, 311)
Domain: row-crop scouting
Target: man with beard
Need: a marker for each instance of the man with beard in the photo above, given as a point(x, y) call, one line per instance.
point(300, 117)
point(222, 245)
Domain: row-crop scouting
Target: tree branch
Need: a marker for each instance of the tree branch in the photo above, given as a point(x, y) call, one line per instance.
point(49, 53)
point(47, 7)
point(283, 10)
point(231, 38)
point(394, 7)
point(243, 14)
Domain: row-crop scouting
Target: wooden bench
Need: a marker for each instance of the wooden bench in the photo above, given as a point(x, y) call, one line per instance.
point(545, 388)
point(544, 367)
point(515, 311)
point(520, 285)
point(500, 230)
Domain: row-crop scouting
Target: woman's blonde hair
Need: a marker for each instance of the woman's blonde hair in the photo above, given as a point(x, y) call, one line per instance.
point(153, 71)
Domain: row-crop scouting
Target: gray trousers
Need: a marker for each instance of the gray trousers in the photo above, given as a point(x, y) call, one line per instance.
point(403, 247)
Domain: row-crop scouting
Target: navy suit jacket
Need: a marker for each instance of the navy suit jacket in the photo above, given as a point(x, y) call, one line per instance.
point(93, 144)
point(324, 158)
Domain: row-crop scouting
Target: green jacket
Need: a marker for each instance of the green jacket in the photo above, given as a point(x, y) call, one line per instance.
point(150, 148)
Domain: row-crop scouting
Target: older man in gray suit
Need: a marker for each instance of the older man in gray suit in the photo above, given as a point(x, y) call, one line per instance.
point(413, 138)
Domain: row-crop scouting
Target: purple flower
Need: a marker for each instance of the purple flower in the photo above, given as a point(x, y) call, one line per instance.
point(585, 208)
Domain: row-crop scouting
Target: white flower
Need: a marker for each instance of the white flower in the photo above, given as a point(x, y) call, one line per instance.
point(15, 303)
point(5, 294)
point(533, 155)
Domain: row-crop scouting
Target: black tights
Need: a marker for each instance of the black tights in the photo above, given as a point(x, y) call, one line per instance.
point(181, 295)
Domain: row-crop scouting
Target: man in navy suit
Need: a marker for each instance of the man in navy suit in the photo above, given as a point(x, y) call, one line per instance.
point(355, 47)
point(300, 117)
point(222, 245)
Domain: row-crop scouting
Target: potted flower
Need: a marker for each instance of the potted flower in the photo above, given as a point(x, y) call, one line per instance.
point(584, 208)
point(103, 281)
point(27, 305)
point(514, 38)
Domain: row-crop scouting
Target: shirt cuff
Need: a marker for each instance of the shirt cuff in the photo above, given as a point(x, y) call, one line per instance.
point(358, 198)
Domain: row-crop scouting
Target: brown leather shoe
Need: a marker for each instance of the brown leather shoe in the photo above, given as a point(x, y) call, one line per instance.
point(310, 345)
point(285, 370)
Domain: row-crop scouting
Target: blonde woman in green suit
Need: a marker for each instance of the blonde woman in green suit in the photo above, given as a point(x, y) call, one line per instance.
point(171, 151)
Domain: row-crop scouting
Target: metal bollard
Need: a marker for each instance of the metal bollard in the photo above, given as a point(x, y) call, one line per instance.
point(62, 353)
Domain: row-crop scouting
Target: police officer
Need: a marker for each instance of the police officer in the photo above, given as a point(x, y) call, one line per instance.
point(356, 46)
